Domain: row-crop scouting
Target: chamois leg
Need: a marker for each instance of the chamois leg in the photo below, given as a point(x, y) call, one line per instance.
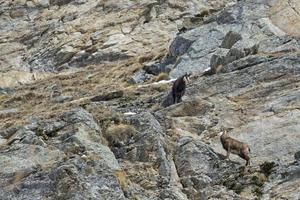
point(228, 153)
point(247, 163)
point(174, 98)
point(246, 169)
point(181, 95)
point(247, 158)
point(178, 98)
point(245, 155)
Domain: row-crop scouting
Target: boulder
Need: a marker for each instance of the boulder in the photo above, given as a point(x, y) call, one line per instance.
point(75, 165)
point(108, 96)
point(230, 39)
point(140, 77)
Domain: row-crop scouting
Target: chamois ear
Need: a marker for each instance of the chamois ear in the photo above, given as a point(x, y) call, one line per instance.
point(222, 128)
point(229, 129)
point(187, 77)
point(220, 134)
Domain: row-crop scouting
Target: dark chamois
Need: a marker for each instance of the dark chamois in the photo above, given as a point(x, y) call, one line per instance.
point(236, 147)
point(179, 86)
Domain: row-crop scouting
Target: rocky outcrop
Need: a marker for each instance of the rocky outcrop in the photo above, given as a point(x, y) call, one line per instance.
point(56, 35)
point(63, 158)
point(247, 30)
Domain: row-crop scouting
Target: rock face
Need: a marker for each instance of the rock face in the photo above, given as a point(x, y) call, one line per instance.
point(70, 164)
point(239, 30)
point(101, 132)
point(56, 35)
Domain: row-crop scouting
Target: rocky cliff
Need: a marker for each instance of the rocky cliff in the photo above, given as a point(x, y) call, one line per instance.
point(84, 113)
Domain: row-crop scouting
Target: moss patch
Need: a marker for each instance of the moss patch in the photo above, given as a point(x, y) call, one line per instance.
point(121, 176)
point(120, 134)
point(267, 168)
point(162, 76)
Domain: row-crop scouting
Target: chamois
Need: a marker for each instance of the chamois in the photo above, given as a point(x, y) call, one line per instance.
point(236, 147)
point(179, 86)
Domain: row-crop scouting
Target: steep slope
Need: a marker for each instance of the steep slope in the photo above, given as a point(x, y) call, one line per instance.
point(83, 118)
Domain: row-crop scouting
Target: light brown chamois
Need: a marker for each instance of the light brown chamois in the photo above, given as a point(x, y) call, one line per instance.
point(236, 147)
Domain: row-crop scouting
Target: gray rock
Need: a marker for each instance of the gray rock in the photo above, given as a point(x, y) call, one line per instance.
point(6, 90)
point(62, 99)
point(219, 58)
point(198, 55)
point(168, 100)
point(198, 166)
point(81, 59)
point(225, 17)
point(140, 77)
point(278, 44)
point(108, 96)
point(78, 2)
point(59, 2)
point(246, 62)
point(194, 158)
point(191, 107)
point(51, 128)
point(65, 54)
point(153, 68)
point(8, 112)
point(180, 46)
point(297, 156)
point(146, 123)
point(243, 48)
point(43, 3)
point(102, 56)
point(230, 39)
point(283, 183)
point(150, 138)
point(176, 153)
point(26, 137)
point(77, 166)
point(233, 29)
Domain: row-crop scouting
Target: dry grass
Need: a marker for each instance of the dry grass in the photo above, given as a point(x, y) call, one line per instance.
point(105, 116)
point(121, 176)
point(119, 134)
point(35, 98)
point(279, 53)
point(162, 76)
point(145, 58)
point(3, 97)
point(161, 87)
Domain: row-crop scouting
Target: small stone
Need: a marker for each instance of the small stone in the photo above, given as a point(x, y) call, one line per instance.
point(108, 96)
point(8, 112)
point(16, 13)
point(65, 54)
point(62, 99)
point(140, 77)
point(59, 2)
point(230, 39)
point(297, 156)
point(43, 3)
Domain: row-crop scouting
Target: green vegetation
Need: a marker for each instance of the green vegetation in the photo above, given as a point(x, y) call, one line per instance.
point(162, 76)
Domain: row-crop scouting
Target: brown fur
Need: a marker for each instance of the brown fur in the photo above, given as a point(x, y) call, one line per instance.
point(236, 147)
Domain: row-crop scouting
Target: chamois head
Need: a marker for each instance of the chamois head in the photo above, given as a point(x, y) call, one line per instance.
point(186, 77)
point(224, 132)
